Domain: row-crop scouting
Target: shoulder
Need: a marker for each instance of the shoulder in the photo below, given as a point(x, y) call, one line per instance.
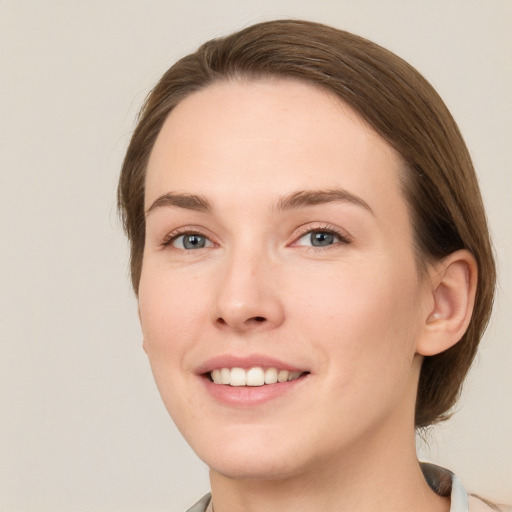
point(445, 483)
point(201, 505)
point(477, 504)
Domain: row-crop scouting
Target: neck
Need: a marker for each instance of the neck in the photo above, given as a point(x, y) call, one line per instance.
point(380, 472)
point(384, 485)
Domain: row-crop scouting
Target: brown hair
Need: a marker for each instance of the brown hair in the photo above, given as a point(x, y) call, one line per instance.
point(391, 96)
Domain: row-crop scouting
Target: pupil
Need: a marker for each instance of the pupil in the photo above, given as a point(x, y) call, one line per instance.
point(193, 242)
point(321, 239)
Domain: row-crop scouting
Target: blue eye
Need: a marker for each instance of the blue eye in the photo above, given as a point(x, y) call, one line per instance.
point(191, 241)
point(319, 238)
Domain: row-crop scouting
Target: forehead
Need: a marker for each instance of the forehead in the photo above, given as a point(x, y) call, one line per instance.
point(272, 136)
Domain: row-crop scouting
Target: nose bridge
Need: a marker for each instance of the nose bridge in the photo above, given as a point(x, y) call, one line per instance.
point(247, 296)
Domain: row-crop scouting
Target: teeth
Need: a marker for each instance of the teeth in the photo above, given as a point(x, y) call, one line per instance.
point(271, 376)
point(225, 376)
point(283, 375)
point(256, 376)
point(238, 377)
point(216, 376)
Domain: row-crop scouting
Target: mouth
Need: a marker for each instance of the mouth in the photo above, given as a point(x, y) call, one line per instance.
point(252, 377)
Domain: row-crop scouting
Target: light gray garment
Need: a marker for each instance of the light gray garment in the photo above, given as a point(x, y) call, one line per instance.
point(201, 505)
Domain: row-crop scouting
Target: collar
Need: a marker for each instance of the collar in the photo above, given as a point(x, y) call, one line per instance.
point(445, 483)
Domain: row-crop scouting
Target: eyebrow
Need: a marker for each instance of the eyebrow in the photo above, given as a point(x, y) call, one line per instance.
point(304, 198)
point(295, 200)
point(181, 200)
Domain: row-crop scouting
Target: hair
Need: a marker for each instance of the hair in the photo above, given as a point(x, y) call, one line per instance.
point(439, 181)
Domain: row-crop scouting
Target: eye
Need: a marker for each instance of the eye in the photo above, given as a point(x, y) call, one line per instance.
point(190, 241)
point(321, 238)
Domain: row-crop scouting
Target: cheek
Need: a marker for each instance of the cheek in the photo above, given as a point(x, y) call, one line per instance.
point(170, 307)
point(367, 295)
point(171, 315)
point(366, 318)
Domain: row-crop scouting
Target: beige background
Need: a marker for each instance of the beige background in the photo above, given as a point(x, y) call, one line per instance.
point(81, 425)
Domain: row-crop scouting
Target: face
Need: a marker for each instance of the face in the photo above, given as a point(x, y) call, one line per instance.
point(280, 301)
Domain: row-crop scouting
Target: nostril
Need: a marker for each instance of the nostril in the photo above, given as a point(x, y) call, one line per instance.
point(241, 322)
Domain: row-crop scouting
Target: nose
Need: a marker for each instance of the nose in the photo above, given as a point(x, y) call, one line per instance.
point(248, 297)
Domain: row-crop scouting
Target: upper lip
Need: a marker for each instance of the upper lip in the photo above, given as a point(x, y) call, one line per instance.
point(251, 361)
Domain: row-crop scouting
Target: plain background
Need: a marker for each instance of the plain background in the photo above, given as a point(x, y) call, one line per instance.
point(81, 424)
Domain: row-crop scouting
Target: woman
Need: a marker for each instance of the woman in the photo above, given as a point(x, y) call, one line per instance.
point(313, 268)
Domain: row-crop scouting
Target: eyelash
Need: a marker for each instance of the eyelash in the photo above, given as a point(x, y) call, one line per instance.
point(174, 235)
point(343, 238)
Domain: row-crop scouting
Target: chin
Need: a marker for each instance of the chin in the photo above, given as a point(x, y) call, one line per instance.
point(251, 459)
point(262, 469)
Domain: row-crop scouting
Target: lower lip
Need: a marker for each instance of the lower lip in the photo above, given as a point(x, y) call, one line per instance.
point(250, 396)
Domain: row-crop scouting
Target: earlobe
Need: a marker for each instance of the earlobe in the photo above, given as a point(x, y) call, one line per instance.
point(453, 288)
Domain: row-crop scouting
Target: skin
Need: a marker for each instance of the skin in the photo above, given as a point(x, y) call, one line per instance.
point(356, 314)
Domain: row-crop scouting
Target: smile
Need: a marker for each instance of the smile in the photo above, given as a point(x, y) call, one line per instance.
point(256, 376)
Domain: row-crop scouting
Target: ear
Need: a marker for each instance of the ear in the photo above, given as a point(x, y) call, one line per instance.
point(452, 286)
